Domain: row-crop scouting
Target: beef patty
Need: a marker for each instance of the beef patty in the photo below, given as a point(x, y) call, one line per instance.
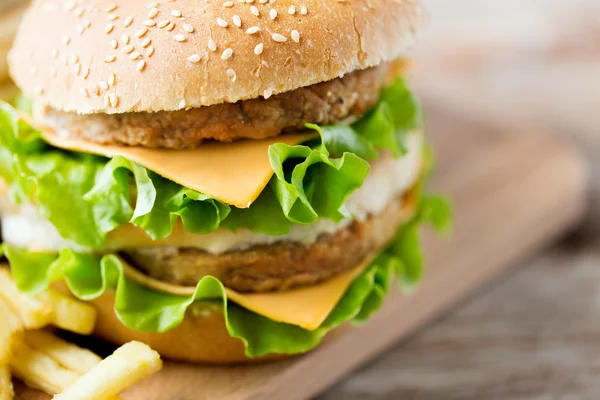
point(324, 103)
point(280, 266)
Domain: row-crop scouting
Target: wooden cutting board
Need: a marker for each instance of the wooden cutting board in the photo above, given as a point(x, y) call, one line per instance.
point(513, 192)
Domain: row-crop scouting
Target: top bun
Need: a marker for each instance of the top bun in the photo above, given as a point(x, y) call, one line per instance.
point(112, 57)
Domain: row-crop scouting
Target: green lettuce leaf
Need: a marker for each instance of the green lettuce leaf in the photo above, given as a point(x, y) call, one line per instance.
point(142, 309)
point(310, 181)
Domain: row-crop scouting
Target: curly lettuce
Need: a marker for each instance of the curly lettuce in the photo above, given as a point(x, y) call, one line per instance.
point(145, 310)
point(85, 196)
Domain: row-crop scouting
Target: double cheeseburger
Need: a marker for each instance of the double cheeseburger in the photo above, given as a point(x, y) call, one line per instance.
point(224, 180)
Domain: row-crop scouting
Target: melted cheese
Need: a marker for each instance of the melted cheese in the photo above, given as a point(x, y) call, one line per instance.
point(306, 307)
point(234, 173)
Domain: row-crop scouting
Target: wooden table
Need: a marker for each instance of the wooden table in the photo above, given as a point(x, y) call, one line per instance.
point(535, 334)
point(531, 335)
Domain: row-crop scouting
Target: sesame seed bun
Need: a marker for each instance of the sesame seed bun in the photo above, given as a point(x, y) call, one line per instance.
point(141, 56)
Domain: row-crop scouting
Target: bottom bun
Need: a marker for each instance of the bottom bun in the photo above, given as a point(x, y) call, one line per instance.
point(202, 337)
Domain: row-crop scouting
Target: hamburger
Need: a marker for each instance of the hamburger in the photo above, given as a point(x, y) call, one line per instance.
point(223, 180)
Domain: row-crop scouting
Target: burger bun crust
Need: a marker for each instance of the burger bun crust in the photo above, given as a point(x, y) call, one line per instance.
point(140, 56)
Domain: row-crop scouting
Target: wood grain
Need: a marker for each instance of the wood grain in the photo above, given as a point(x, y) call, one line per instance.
point(532, 335)
point(505, 187)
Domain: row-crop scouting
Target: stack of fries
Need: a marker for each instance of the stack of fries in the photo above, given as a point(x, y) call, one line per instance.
point(46, 362)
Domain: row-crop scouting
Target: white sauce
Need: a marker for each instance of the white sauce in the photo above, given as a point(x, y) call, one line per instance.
point(387, 179)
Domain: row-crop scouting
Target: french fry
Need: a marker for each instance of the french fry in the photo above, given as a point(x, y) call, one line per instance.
point(38, 370)
point(10, 329)
point(127, 365)
point(32, 312)
point(66, 354)
point(6, 388)
point(70, 314)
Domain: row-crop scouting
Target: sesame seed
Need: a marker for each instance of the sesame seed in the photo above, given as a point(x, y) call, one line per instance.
point(110, 59)
point(295, 36)
point(267, 93)
point(109, 28)
point(249, 1)
point(194, 58)
point(114, 100)
point(114, 44)
point(66, 40)
point(80, 29)
point(112, 17)
point(182, 103)
point(77, 69)
point(69, 6)
point(146, 42)
point(53, 71)
point(54, 53)
point(65, 61)
point(179, 37)
point(87, 23)
point(34, 71)
point(141, 65)
point(254, 10)
point(135, 55)
point(96, 90)
point(228, 4)
point(126, 39)
point(111, 8)
point(86, 73)
point(150, 51)
point(259, 49)
point(212, 46)
point(227, 53)
point(252, 30)
point(74, 59)
point(163, 23)
point(222, 23)
point(106, 101)
point(273, 13)
point(128, 49)
point(150, 22)
point(292, 10)
point(231, 74)
point(279, 38)
point(128, 22)
point(262, 1)
point(188, 28)
point(141, 32)
point(303, 10)
point(237, 21)
point(171, 26)
point(112, 79)
point(84, 92)
point(79, 12)
point(103, 85)
point(154, 4)
point(176, 13)
point(152, 13)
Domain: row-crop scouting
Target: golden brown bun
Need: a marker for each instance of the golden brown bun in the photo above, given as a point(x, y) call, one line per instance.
point(66, 53)
point(201, 338)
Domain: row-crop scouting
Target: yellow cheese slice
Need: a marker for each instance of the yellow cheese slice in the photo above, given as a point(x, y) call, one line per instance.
point(306, 307)
point(234, 173)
